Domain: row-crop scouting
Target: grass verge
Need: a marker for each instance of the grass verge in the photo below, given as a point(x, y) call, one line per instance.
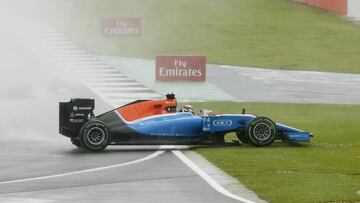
point(325, 170)
point(256, 33)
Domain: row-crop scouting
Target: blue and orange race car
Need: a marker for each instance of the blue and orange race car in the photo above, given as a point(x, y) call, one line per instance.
point(158, 122)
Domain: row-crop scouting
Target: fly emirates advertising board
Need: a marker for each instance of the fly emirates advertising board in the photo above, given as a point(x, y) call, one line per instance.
point(185, 68)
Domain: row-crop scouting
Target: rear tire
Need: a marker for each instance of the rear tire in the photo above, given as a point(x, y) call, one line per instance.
point(94, 136)
point(261, 132)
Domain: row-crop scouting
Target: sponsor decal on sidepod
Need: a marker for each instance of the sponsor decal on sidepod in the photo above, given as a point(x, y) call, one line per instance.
point(222, 122)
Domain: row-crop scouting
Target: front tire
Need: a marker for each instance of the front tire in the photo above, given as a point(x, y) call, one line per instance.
point(261, 132)
point(94, 136)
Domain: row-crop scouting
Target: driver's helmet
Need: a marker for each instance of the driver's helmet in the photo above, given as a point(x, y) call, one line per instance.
point(187, 108)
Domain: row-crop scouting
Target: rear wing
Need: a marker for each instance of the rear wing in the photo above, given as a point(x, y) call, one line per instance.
point(74, 114)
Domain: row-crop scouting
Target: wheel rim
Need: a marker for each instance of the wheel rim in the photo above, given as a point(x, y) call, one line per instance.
point(96, 136)
point(262, 131)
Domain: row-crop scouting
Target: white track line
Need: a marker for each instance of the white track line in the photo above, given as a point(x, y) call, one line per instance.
point(151, 156)
point(76, 54)
point(109, 90)
point(207, 178)
point(102, 75)
point(194, 167)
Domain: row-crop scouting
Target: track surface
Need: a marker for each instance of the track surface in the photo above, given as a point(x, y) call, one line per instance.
point(266, 85)
point(162, 179)
point(31, 88)
point(249, 84)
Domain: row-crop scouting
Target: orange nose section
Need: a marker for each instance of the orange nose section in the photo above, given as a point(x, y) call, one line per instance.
point(142, 109)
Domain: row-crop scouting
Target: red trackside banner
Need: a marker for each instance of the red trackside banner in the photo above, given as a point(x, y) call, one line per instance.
point(121, 26)
point(188, 68)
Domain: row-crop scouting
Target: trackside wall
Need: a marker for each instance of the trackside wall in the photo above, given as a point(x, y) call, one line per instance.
point(338, 6)
point(349, 8)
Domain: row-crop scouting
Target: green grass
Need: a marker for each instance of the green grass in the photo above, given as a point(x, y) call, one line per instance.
point(327, 169)
point(256, 33)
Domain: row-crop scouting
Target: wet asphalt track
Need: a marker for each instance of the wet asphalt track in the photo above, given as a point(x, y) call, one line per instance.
point(284, 86)
point(162, 179)
point(31, 147)
point(30, 89)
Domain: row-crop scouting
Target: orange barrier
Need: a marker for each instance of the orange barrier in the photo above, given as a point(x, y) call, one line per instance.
point(338, 6)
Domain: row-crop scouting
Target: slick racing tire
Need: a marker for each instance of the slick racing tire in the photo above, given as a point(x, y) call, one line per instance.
point(261, 132)
point(94, 136)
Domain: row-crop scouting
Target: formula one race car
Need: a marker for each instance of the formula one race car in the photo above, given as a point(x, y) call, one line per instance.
point(158, 122)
